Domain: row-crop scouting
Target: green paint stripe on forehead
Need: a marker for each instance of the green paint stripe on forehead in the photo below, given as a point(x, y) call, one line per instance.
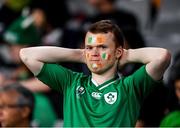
point(91, 40)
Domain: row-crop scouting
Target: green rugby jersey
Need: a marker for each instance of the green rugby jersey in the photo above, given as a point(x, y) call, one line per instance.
point(114, 103)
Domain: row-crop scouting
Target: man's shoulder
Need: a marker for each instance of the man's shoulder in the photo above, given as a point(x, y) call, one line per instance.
point(139, 72)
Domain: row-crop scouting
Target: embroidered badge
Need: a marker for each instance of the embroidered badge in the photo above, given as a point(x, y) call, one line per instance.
point(96, 95)
point(80, 91)
point(110, 97)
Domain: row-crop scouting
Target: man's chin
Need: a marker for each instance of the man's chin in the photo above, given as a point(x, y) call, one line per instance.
point(97, 71)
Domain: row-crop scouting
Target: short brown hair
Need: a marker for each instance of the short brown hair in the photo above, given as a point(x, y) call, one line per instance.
point(105, 26)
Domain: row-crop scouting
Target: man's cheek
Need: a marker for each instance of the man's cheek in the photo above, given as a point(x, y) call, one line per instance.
point(105, 56)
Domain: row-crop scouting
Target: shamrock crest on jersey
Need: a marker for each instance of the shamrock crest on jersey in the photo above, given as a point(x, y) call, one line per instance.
point(110, 97)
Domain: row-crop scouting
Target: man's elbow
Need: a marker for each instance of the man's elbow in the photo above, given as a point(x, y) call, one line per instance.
point(23, 55)
point(165, 57)
point(28, 58)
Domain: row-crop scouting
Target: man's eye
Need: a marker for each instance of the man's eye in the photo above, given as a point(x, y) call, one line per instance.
point(102, 47)
point(88, 48)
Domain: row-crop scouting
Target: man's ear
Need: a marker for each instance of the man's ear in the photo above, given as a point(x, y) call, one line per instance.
point(26, 112)
point(119, 52)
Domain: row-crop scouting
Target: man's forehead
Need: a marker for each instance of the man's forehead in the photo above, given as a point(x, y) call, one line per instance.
point(7, 96)
point(99, 38)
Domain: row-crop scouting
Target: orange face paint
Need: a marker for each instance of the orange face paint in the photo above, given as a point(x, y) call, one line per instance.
point(100, 39)
point(96, 39)
point(87, 55)
point(96, 65)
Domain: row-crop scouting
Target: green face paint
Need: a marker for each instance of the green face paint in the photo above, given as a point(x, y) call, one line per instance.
point(89, 40)
point(96, 39)
point(105, 56)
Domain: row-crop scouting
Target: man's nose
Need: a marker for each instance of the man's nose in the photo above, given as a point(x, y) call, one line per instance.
point(95, 51)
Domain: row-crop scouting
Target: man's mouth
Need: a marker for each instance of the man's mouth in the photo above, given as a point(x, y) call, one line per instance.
point(95, 60)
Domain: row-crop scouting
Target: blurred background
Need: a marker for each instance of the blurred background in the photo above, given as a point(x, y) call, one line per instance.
point(25, 23)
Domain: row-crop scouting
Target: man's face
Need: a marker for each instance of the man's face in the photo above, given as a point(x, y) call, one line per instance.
point(10, 114)
point(101, 53)
point(177, 89)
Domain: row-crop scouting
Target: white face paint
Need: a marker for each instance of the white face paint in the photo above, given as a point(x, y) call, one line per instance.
point(94, 65)
point(100, 39)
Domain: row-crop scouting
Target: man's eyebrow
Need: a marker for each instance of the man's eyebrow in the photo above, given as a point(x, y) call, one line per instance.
point(88, 46)
point(95, 45)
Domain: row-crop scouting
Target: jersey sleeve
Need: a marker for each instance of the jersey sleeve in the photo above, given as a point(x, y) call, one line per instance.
point(56, 76)
point(140, 83)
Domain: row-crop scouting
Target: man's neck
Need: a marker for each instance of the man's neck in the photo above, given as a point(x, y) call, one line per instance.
point(101, 78)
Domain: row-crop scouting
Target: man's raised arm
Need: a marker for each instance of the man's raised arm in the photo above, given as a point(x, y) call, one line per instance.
point(35, 57)
point(156, 59)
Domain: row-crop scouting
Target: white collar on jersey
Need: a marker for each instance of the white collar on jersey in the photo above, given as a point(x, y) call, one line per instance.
point(96, 84)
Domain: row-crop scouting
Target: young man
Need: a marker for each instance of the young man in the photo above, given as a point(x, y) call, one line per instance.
point(102, 99)
point(16, 106)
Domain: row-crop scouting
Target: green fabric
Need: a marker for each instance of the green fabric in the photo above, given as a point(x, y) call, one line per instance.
point(171, 120)
point(115, 103)
point(22, 32)
point(44, 114)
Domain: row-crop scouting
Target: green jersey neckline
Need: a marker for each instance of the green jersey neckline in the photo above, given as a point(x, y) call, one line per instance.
point(107, 83)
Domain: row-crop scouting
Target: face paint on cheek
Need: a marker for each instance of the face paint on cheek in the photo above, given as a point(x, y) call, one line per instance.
point(105, 56)
point(87, 56)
